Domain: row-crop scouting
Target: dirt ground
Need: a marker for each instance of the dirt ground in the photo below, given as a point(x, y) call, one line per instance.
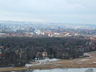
point(72, 63)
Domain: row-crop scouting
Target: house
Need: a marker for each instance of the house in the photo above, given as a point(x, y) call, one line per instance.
point(44, 54)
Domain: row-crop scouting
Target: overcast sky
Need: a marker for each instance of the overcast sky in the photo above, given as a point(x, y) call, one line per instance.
point(63, 11)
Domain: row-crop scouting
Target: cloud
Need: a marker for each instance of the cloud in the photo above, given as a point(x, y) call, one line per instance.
point(49, 10)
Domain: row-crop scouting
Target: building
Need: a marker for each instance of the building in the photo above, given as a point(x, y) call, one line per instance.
point(44, 54)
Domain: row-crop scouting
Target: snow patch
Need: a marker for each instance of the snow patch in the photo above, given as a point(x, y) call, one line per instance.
point(28, 65)
point(44, 61)
point(85, 59)
point(47, 60)
point(94, 62)
point(86, 54)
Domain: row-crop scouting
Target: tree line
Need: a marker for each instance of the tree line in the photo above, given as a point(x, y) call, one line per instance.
point(21, 50)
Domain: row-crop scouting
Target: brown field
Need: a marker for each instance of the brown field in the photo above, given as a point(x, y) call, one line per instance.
point(12, 69)
point(72, 63)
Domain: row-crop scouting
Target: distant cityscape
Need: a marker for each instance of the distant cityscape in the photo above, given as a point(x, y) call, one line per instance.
point(29, 29)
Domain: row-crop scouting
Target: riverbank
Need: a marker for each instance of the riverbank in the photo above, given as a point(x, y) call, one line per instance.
point(12, 69)
point(48, 67)
point(73, 63)
point(63, 66)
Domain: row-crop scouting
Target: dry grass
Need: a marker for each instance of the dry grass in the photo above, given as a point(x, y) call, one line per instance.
point(12, 69)
point(73, 63)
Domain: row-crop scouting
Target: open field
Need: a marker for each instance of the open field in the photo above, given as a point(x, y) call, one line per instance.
point(72, 63)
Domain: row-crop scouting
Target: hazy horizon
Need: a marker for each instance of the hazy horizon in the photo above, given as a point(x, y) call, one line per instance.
point(51, 11)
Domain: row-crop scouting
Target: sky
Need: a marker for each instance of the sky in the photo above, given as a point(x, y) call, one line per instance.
point(55, 11)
